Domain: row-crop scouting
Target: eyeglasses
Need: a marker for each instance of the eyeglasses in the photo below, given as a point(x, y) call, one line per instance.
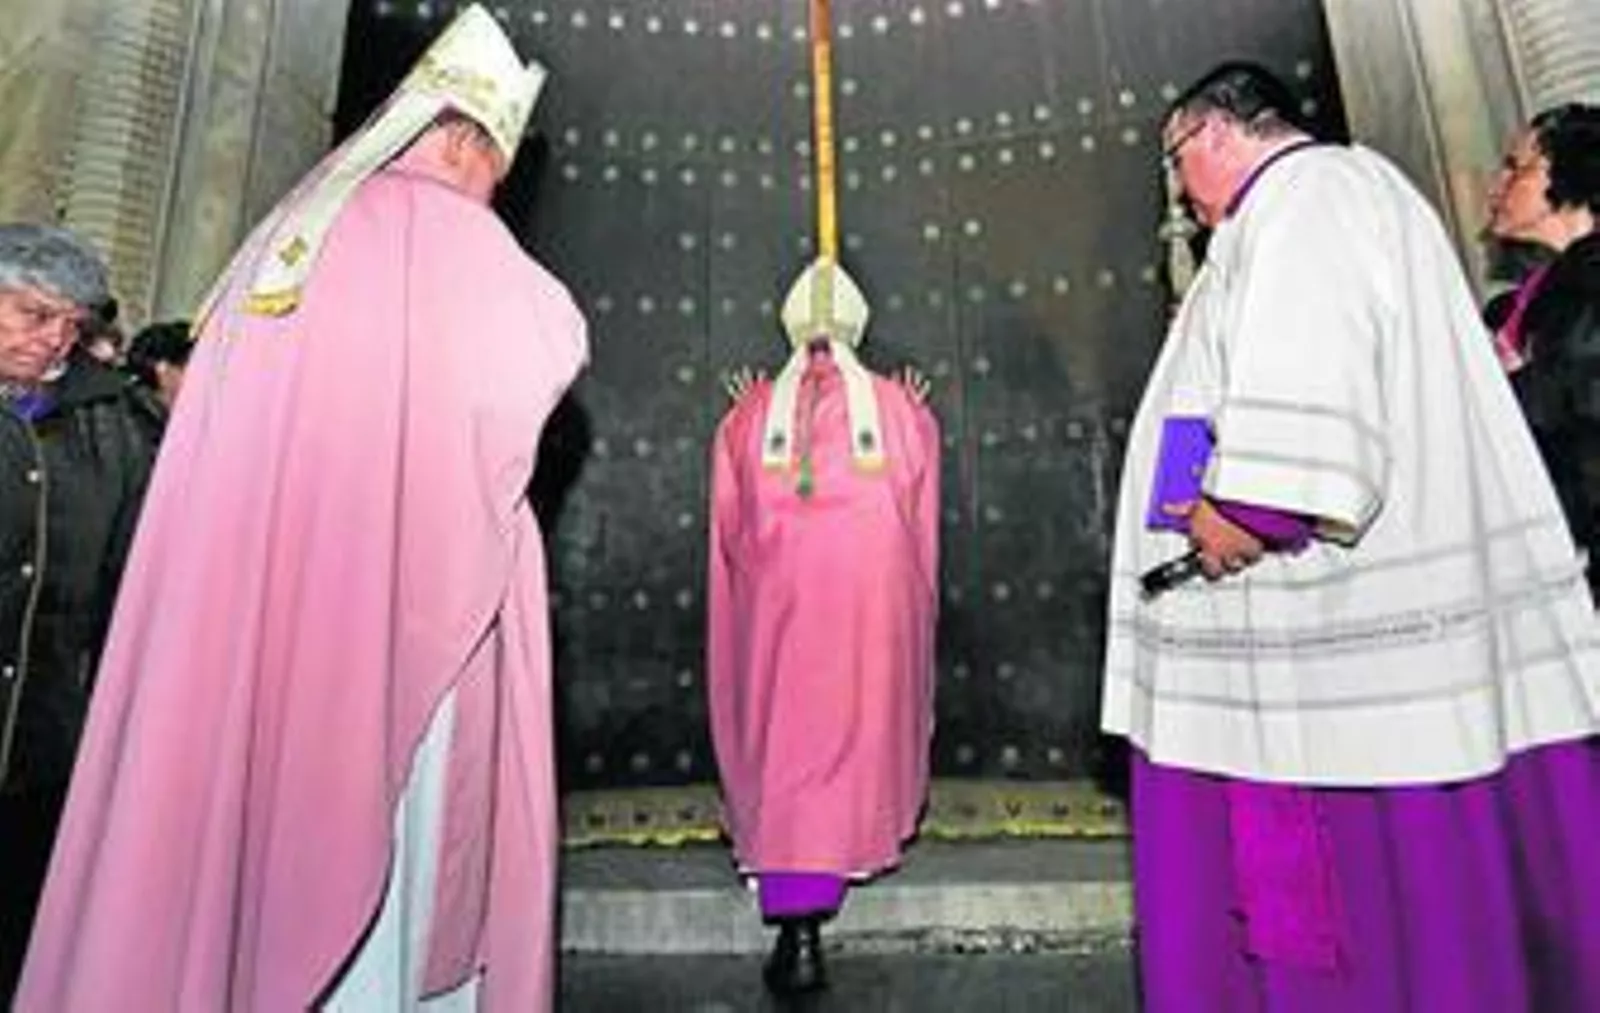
point(1512, 166)
point(1170, 154)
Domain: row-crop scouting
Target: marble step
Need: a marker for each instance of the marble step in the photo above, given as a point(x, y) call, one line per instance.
point(948, 896)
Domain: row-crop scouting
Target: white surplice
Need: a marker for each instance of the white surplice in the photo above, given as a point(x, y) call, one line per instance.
point(1441, 622)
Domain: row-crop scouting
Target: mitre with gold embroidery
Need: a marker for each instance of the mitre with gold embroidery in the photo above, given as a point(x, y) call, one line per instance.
point(471, 69)
point(824, 304)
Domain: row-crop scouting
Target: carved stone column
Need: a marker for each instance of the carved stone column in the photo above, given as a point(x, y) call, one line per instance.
point(258, 111)
point(1555, 50)
point(1432, 86)
point(42, 49)
point(89, 91)
point(1441, 86)
point(160, 129)
point(117, 171)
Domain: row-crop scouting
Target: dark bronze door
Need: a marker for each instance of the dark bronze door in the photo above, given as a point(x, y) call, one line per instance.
point(1000, 194)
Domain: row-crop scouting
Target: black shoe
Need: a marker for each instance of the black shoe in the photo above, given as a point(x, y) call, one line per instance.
point(795, 966)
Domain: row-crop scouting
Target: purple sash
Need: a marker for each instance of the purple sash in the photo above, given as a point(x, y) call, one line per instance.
point(1284, 876)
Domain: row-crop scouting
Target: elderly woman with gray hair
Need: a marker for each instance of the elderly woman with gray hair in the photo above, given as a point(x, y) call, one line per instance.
point(76, 446)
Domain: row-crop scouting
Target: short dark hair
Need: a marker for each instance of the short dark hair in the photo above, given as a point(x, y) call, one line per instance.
point(101, 323)
point(1569, 138)
point(1246, 93)
point(168, 342)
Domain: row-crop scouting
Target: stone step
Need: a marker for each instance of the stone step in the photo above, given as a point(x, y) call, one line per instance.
point(991, 896)
point(1097, 980)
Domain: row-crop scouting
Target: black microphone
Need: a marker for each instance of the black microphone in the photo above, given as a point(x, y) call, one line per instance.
point(1170, 574)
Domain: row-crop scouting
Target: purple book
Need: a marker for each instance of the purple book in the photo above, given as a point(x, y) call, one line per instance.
point(1180, 469)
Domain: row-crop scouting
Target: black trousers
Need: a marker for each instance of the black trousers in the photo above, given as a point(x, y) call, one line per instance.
point(28, 822)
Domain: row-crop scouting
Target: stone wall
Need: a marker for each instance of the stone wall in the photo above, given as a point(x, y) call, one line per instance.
point(42, 47)
point(1431, 85)
point(161, 129)
point(259, 110)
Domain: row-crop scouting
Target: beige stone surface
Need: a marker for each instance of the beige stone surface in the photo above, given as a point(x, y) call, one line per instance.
point(41, 48)
point(162, 129)
point(1555, 48)
point(262, 89)
point(1440, 86)
point(1431, 85)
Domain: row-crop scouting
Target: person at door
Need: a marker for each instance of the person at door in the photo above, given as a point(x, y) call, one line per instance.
point(823, 592)
point(77, 445)
point(1365, 771)
point(318, 771)
point(1547, 196)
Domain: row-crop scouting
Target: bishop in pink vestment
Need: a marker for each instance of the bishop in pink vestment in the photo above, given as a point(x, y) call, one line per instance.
point(823, 598)
point(337, 543)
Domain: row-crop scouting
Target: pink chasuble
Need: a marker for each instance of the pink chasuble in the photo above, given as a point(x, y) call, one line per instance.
point(336, 536)
point(820, 661)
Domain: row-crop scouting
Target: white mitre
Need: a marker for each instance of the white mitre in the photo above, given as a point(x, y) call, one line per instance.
point(824, 304)
point(472, 69)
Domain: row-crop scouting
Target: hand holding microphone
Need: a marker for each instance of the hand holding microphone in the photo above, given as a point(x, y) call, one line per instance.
point(1220, 545)
point(1169, 574)
point(1225, 536)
